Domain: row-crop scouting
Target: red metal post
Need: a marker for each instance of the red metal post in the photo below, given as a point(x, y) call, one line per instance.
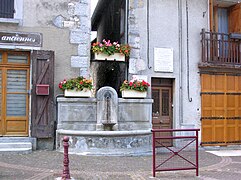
point(197, 164)
point(66, 174)
point(154, 154)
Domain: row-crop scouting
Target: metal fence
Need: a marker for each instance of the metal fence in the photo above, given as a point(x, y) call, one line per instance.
point(166, 158)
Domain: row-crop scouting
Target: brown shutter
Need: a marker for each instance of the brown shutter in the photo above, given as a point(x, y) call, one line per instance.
point(42, 106)
point(235, 19)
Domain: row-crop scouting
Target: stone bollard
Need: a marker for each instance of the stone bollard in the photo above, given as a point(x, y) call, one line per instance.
point(66, 174)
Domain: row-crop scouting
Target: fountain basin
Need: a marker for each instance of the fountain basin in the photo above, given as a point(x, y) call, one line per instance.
point(106, 125)
point(111, 143)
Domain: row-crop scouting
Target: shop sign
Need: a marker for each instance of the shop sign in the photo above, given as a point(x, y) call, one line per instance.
point(21, 39)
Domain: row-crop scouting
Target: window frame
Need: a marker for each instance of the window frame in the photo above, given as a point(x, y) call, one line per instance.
point(18, 13)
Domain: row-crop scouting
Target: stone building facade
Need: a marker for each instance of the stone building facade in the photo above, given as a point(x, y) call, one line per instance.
point(63, 32)
point(173, 44)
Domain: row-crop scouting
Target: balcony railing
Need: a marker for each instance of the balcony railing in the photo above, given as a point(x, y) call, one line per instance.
point(221, 48)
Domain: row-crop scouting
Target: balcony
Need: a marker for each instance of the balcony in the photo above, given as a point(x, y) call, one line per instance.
point(221, 49)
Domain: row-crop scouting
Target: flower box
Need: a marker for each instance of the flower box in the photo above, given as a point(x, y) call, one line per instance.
point(114, 57)
point(76, 87)
point(74, 93)
point(133, 94)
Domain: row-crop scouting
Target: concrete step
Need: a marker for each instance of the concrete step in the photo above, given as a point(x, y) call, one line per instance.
point(22, 145)
point(19, 140)
point(12, 145)
point(15, 151)
point(16, 147)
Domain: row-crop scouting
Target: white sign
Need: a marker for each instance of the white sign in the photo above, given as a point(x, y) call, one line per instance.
point(163, 59)
point(139, 78)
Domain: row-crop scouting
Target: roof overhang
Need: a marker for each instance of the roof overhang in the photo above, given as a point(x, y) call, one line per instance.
point(98, 13)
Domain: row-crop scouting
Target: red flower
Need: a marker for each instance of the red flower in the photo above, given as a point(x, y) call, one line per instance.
point(131, 83)
point(143, 83)
point(60, 86)
point(81, 82)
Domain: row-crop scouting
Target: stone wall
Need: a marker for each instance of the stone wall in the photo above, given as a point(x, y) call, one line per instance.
point(81, 114)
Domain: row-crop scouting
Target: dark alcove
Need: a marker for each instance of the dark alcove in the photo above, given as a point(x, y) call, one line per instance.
point(108, 73)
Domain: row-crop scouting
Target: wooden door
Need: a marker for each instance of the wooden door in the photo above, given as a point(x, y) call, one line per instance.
point(162, 111)
point(42, 111)
point(14, 92)
point(221, 109)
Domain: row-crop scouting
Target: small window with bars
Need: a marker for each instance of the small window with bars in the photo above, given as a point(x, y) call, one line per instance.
point(6, 8)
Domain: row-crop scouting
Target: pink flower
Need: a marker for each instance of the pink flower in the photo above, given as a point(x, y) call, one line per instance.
point(108, 43)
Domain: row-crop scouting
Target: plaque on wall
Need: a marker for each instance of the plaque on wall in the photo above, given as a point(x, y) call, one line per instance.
point(21, 39)
point(139, 78)
point(163, 59)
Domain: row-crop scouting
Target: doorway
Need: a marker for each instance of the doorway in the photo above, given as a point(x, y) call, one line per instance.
point(162, 106)
point(14, 86)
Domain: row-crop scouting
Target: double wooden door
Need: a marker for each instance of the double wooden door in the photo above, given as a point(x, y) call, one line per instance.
point(221, 108)
point(15, 92)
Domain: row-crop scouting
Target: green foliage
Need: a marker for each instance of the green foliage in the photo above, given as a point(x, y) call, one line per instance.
point(78, 83)
point(109, 48)
point(135, 85)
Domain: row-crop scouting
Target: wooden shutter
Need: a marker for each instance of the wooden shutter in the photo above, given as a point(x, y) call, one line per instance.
point(42, 106)
point(6, 8)
point(235, 19)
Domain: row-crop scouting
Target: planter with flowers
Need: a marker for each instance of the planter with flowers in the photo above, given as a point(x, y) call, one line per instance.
point(76, 87)
point(106, 50)
point(134, 89)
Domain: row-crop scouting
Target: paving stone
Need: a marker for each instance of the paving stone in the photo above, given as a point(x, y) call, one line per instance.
point(49, 165)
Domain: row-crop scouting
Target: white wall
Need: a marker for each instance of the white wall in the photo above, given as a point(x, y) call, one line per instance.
point(168, 28)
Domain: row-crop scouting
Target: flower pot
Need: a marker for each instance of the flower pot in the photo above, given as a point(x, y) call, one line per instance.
point(114, 57)
point(74, 93)
point(133, 94)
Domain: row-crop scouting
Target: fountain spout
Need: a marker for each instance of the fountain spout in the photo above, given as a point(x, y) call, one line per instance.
point(107, 108)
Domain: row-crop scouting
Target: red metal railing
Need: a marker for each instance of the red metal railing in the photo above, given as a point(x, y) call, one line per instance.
point(173, 155)
point(221, 48)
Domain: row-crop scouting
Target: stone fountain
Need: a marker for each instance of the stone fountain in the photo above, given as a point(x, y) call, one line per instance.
point(105, 125)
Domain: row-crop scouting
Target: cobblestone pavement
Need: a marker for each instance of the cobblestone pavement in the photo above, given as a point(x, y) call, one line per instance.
point(41, 165)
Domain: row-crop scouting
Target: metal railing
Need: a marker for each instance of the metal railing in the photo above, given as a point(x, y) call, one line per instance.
point(175, 158)
point(221, 48)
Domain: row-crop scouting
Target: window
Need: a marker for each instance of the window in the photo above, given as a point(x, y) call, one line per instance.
point(7, 9)
point(11, 11)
